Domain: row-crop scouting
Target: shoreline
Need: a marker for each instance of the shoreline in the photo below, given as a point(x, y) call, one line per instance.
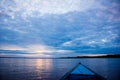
point(75, 57)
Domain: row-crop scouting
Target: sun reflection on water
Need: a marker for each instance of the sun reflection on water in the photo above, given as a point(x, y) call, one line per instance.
point(43, 64)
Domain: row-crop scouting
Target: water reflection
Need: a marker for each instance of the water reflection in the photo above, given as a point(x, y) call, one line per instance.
point(39, 63)
point(43, 68)
point(46, 63)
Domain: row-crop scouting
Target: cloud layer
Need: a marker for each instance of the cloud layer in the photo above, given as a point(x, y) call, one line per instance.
point(29, 8)
point(56, 26)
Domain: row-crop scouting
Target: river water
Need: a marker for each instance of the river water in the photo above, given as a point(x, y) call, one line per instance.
point(54, 69)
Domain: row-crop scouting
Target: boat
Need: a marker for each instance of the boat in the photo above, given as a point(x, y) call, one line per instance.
point(81, 72)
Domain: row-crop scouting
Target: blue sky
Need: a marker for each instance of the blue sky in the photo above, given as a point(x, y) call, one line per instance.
point(53, 28)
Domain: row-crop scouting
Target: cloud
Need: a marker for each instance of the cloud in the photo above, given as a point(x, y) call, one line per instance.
point(10, 47)
point(111, 9)
point(17, 30)
point(59, 26)
point(93, 40)
point(32, 49)
point(42, 7)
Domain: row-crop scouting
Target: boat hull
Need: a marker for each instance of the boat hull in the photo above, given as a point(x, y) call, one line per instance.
point(81, 72)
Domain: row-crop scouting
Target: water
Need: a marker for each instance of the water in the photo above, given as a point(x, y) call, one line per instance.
point(54, 69)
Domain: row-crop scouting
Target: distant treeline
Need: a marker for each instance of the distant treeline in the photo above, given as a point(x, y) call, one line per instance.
point(86, 56)
point(99, 56)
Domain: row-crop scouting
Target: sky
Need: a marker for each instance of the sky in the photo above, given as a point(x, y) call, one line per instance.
point(55, 28)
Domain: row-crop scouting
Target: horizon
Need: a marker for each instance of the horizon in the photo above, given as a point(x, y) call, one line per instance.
point(55, 28)
point(83, 55)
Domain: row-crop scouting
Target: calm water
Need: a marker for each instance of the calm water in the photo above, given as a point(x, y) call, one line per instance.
point(54, 69)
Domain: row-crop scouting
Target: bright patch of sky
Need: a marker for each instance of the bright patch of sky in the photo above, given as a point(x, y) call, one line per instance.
point(59, 28)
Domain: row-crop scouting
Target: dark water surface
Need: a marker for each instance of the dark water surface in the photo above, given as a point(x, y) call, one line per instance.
point(54, 69)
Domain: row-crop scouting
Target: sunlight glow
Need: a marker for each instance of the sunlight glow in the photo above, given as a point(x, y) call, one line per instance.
point(33, 50)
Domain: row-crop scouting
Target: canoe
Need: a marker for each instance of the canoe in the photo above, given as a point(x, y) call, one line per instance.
point(81, 72)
